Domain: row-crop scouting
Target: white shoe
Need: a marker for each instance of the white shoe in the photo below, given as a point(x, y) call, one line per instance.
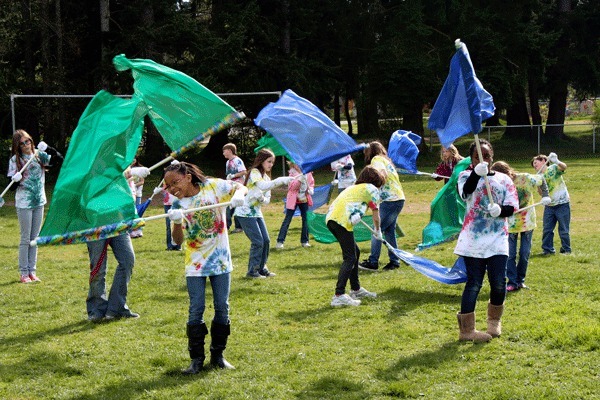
point(344, 300)
point(362, 293)
point(279, 246)
point(306, 244)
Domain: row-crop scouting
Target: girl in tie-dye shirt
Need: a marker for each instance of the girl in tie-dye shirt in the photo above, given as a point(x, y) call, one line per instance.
point(207, 254)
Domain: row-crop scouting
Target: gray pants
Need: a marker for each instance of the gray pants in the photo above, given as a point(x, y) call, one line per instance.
point(30, 221)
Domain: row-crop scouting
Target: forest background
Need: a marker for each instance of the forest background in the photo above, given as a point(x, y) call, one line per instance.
point(374, 66)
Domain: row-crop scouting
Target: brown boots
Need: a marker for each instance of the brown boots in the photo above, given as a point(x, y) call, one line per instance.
point(466, 323)
point(494, 326)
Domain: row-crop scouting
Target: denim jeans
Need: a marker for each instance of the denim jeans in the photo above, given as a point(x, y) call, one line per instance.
point(289, 214)
point(229, 216)
point(98, 305)
point(350, 256)
point(196, 286)
point(388, 212)
point(30, 222)
point(260, 243)
point(170, 244)
point(476, 267)
point(515, 272)
point(560, 214)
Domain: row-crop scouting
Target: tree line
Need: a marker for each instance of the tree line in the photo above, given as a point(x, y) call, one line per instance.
point(388, 57)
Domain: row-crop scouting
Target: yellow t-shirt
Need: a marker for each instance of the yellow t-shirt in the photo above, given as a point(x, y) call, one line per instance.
point(355, 199)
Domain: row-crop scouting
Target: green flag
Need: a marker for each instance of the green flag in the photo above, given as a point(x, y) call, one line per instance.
point(91, 191)
point(182, 109)
point(269, 142)
point(447, 211)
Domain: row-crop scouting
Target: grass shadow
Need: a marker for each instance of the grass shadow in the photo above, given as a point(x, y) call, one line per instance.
point(28, 338)
point(343, 389)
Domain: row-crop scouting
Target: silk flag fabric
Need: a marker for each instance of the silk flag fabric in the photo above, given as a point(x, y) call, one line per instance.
point(447, 211)
point(269, 142)
point(92, 198)
point(310, 138)
point(182, 109)
point(434, 270)
point(403, 150)
point(463, 103)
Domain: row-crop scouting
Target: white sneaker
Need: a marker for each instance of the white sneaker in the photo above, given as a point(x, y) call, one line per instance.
point(361, 293)
point(279, 246)
point(344, 300)
point(306, 244)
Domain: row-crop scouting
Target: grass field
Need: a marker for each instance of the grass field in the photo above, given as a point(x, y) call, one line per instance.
point(287, 342)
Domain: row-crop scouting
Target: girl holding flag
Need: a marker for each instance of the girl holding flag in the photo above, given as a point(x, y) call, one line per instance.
point(483, 240)
point(259, 185)
point(30, 195)
point(207, 255)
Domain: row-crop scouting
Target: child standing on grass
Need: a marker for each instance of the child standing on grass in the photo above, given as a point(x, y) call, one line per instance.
point(299, 195)
point(450, 157)
point(235, 170)
point(483, 240)
point(259, 185)
point(344, 172)
point(559, 209)
point(521, 223)
point(207, 255)
point(30, 196)
point(345, 212)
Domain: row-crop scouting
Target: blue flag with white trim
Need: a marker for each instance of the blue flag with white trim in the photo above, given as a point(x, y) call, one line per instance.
point(463, 103)
point(308, 136)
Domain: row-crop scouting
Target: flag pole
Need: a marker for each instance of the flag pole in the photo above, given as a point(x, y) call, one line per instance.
point(191, 210)
point(528, 207)
point(485, 178)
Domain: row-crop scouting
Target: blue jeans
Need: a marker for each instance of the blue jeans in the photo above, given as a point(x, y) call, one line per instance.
point(388, 212)
point(196, 286)
point(30, 222)
point(350, 256)
point(260, 243)
point(560, 214)
point(476, 267)
point(229, 216)
point(515, 272)
point(98, 305)
point(289, 214)
point(170, 244)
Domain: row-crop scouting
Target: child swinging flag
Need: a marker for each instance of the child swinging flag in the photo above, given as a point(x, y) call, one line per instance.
point(403, 150)
point(308, 136)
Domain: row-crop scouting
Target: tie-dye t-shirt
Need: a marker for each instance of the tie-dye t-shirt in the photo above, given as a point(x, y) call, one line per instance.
point(207, 243)
point(525, 185)
point(557, 188)
point(234, 166)
point(345, 177)
point(482, 235)
point(356, 198)
point(252, 203)
point(30, 193)
point(392, 189)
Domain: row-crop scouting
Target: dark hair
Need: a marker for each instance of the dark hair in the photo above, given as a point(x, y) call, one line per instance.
point(374, 149)
point(482, 142)
point(505, 168)
point(16, 146)
point(371, 175)
point(184, 168)
point(261, 156)
point(539, 157)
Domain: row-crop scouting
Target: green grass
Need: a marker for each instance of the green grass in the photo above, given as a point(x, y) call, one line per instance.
point(287, 342)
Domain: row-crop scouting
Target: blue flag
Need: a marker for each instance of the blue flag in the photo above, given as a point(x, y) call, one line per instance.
point(309, 137)
point(403, 150)
point(463, 103)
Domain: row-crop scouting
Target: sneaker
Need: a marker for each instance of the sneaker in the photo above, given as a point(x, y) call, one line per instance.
point(306, 244)
point(127, 314)
point(279, 246)
point(25, 279)
point(344, 300)
point(361, 293)
point(237, 230)
point(254, 275)
point(511, 288)
point(95, 318)
point(523, 286)
point(391, 266)
point(34, 278)
point(368, 266)
point(266, 273)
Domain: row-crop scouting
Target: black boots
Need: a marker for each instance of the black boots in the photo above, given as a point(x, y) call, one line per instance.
point(219, 334)
point(196, 334)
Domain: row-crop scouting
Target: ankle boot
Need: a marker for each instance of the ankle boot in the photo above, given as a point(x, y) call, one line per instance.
point(219, 334)
point(494, 325)
point(466, 324)
point(196, 334)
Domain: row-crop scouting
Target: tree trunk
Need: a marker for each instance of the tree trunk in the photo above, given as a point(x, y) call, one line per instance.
point(412, 120)
point(60, 69)
point(347, 115)
point(517, 114)
point(47, 75)
point(556, 112)
point(336, 108)
point(366, 115)
point(534, 103)
point(494, 120)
